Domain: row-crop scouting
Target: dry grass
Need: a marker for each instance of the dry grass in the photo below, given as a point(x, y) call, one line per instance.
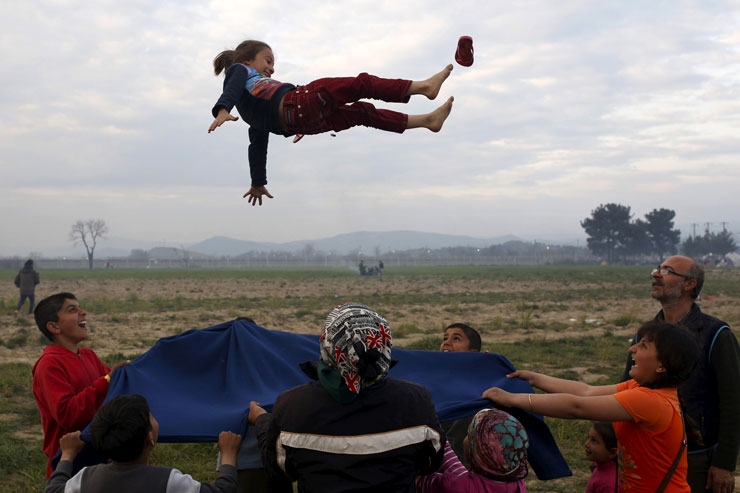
point(126, 315)
point(545, 306)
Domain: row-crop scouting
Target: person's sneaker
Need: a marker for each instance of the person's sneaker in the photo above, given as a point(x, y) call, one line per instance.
point(17, 313)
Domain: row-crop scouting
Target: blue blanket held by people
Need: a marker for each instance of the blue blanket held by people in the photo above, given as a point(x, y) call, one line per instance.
point(201, 382)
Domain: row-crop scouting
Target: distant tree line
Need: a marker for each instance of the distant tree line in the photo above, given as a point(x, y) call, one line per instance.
point(509, 253)
point(612, 236)
point(615, 237)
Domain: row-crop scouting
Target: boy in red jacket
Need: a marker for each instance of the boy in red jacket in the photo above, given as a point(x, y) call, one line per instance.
point(69, 382)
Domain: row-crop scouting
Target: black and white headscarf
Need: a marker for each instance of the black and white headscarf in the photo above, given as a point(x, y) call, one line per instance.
point(356, 341)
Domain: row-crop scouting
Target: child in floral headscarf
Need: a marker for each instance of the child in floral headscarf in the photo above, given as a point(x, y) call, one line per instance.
point(496, 448)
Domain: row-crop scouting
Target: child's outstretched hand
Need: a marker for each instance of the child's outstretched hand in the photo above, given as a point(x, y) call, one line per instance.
point(255, 194)
point(223, 116)
point(71, 445)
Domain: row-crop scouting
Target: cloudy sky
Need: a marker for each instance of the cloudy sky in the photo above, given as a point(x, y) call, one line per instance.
point(570, 104)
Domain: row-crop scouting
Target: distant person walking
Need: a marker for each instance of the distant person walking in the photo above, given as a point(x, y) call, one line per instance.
point(26, 280)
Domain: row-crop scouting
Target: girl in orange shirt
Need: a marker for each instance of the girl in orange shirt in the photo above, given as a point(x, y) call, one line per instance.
point(645, 410)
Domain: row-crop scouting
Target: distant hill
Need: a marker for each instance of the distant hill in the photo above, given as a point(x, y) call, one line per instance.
point(367, 242)
point(231, 247)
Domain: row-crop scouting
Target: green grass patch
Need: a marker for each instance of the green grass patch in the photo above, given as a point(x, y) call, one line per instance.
point(558, 357)
point(405, 330)
point(428, 343)
point(19, 339)
point(551, 305)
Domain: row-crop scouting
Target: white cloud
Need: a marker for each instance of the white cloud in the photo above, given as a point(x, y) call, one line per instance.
point(569, 105)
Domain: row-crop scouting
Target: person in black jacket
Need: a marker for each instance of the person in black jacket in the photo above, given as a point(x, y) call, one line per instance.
point(711, 396)
point(26, 280)
point(352, 429)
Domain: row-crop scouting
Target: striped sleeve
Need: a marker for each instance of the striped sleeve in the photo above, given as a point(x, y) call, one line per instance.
point(451, 470)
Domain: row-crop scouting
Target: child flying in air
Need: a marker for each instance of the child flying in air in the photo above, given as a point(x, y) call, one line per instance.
point(328, 104)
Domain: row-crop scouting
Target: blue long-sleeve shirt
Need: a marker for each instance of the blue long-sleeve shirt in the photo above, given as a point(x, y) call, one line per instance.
point(257, 99)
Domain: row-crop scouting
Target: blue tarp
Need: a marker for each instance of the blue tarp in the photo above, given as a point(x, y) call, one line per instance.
point(200, 383)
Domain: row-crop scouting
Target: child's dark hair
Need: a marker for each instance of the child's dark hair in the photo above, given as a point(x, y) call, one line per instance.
point(246, 51)
point(472, 334)
point(120, 427)
point(678, 352)
point(606, 430)
point(48, 311)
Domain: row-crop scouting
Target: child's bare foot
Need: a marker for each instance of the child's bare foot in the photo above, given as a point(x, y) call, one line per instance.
point(431, 86)
point(438, 116)
point(434, 120)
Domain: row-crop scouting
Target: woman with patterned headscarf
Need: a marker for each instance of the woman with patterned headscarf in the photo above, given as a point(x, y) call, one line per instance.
point(496, 449)
point(352, 428)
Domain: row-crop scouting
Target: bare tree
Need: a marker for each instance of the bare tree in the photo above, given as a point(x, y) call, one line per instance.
point(87, 233)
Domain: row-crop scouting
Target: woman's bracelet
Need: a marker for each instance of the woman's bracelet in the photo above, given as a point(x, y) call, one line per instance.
point(529, 397)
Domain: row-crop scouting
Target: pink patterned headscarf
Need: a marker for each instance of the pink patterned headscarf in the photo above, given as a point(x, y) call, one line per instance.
point(356, 342)
point(497, 446)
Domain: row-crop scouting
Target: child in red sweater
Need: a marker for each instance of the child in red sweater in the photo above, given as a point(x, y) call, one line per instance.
point(69, 382)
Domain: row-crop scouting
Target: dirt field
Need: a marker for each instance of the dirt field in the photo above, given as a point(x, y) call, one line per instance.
point(129, 312)
point(416, 305)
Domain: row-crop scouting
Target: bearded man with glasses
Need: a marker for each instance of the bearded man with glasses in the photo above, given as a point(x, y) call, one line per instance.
point(711, 396)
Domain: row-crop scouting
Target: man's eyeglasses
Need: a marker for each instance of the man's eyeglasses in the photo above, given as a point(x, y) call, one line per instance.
point(664, 271)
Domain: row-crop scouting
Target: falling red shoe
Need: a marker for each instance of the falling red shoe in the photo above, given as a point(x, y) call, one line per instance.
point(464, 53)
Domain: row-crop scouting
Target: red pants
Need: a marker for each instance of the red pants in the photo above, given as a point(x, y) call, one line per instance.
point(323, 105)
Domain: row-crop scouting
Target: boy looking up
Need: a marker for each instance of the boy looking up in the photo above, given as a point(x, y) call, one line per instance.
point(459, 337)
point(69, 382)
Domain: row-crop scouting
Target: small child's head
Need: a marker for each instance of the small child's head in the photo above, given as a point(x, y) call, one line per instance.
point(48, 311)
point(247, 51)
point(460, 337)
point(123, 428)
point(601, 445)
point(671, 349)
point(496, 446)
